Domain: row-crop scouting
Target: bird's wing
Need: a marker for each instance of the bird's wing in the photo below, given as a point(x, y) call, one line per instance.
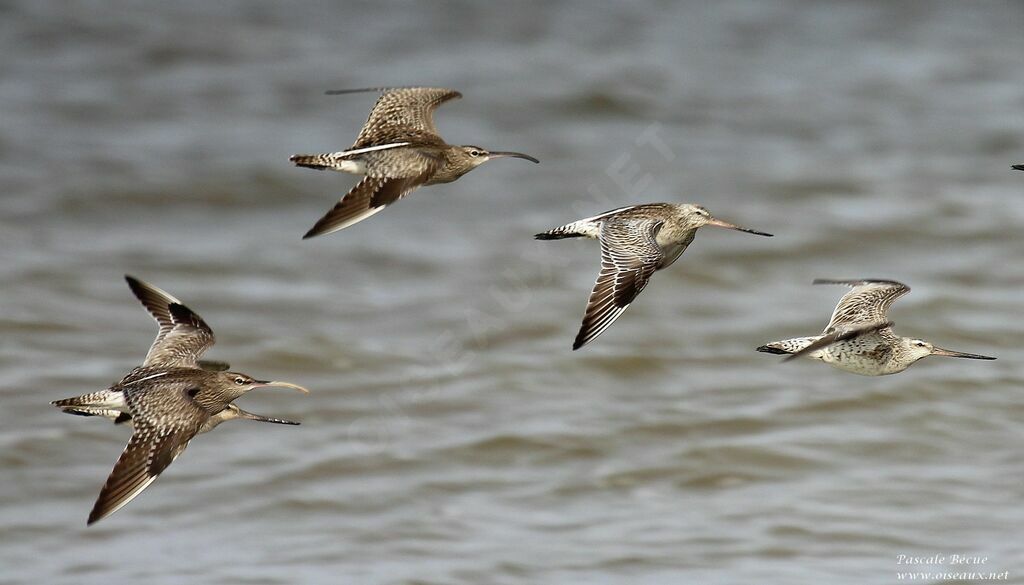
point(867, 304)
point(369, 196)
point(403, 113)
point(183, 335)
point(842, 334)
point(161, 432)
point(213, 365)
point(182, 346)
point(629, 256)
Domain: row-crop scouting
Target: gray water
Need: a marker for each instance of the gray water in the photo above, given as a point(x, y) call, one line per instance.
point(452, 436)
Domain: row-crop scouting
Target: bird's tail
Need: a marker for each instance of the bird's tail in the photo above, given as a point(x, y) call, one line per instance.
point(320, 162)
point(93, 400)
point(787, 346)
point(577, 229)
point(115, 415)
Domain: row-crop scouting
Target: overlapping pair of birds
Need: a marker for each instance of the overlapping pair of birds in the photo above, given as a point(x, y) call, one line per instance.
point(174, 395)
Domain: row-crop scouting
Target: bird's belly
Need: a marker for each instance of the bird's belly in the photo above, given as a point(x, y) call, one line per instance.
point(352, 166)
point(864, 363)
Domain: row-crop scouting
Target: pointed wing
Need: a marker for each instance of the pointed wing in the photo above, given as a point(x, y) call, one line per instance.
point(404, 113)
point(842, 334)
point(161, 432)
point(371, 195)
point(868, 303)
point(629, 256)
point(183, 335)
point(156, 302)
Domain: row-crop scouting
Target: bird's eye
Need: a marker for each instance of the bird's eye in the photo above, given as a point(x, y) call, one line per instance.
point(919, 344)
point(474, 153)
point(240, 381)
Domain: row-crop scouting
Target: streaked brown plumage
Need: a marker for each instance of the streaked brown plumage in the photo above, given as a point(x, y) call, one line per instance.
point(398, 150)
point(636, 241)
point(169, 399)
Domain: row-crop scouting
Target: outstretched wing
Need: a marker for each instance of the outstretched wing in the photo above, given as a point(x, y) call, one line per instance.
point(183, 335)
point(370, 196)
point(401, 114)
point(629, 256)
point(162, 429)
point(867, 304)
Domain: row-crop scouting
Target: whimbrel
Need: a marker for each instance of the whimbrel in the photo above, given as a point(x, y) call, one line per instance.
point(636, 241)
point(169, 399)
point(398, 150)
point(859, 337)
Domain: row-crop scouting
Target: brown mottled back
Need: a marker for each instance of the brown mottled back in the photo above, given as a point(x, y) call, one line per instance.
point(404, 114)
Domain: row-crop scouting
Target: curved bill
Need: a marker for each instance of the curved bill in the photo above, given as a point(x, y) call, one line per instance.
point(960, 354)
point(510, 154)
point(278, 384)
point(719, 223)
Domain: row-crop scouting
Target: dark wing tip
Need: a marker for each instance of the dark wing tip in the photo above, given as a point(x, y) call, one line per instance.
point(357, 90)
point(772, 350)
point(1017, 167)
point(138, 287)
point(386, 89)
point(857, 281)
point(583, 337)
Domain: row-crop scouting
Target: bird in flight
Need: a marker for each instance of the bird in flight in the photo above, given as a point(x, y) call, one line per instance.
point(859, 336)
point(636, 241)
point(398, 150)
point(168, 400)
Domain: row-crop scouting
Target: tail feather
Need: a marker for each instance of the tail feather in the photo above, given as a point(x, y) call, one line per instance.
point(320, 162)
point(577, 229)
point(788, 346)
point(553, 235)
point(116, 416)
point(104, 399)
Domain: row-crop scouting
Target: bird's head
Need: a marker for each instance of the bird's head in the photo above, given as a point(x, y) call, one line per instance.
point(697, 216)
point(474, 156)
point(916, 349)
point(238, 384)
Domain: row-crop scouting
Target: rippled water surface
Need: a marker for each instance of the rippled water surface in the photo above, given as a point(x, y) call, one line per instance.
point(452, 436)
